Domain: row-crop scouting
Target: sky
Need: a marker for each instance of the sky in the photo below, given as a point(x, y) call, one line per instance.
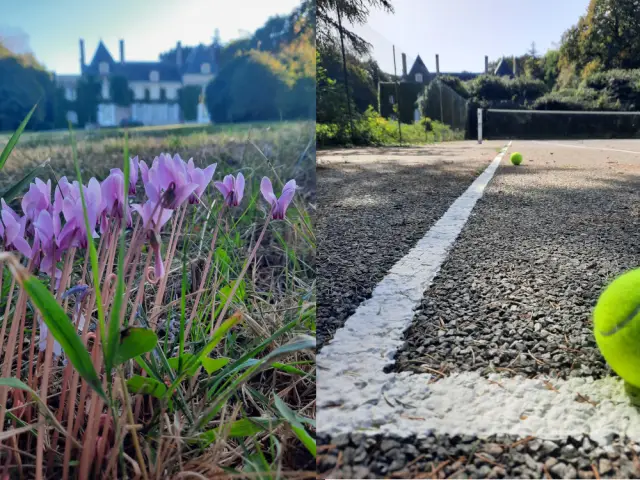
point(462, 32)
point(52, 29)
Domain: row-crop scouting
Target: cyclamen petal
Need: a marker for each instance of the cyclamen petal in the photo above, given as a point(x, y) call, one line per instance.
point(267, 191)
point(279, 205)
point(232, 189)
point(133, 174)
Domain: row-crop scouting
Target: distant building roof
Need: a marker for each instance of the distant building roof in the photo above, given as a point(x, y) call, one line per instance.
point(140, 71)
point(503, 68)
point(418, 67)
point(197, 56)
point(101, 55)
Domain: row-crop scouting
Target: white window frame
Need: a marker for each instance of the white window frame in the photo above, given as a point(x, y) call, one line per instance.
point(104, 68)
point(154, 76)
point(419, 78)
point(205, 68)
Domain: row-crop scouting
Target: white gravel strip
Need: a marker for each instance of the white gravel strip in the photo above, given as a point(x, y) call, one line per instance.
point(355, 395)
point(469, 404)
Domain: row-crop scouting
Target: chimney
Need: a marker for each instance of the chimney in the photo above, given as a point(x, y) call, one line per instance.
point(121, 51)
point(486, 64)
point(404, 64)
point(437, 64)
point(515, 66)
point(81, 55)
point(179, 54)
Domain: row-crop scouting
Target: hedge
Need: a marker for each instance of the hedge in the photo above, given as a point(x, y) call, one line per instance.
point(408, 95)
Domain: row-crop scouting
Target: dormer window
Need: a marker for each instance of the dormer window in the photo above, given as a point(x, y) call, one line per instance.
point(205, 68)
point(104, 68)
point(419, 77)
point(154, 76)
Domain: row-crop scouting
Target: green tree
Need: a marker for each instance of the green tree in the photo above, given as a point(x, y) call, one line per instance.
point(88, 95)
point(188, 97)
point(120, 92)
point(353, 12)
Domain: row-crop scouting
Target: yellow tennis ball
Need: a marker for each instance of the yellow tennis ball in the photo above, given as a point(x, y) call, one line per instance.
point(616, 324)
point(516, 158)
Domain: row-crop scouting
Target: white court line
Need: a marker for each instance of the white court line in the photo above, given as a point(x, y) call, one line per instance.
point(588, 148)
point(355, 395)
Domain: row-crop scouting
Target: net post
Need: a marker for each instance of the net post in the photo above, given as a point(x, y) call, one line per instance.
point(479, 125)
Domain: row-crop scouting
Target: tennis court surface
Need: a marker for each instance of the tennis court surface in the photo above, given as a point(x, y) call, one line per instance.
point(474, 354)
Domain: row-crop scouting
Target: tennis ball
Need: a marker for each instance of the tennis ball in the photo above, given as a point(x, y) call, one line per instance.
point(516, 158)
point(616, 324)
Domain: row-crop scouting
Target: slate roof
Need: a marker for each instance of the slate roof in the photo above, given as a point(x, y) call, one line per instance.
point(197, 56)
point(140, 71)
point(503, 68)
point(418, 67)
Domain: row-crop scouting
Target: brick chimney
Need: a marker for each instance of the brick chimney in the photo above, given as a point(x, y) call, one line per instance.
point(437, 64)
point(81, 55)
point(404, 64)
point(179, 54)
point(121, 51)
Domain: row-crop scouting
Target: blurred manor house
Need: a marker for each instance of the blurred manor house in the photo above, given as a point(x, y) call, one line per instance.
point(155, 85)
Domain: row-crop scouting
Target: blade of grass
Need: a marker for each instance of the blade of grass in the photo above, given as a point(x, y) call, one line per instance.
point(13, 191)
point(301, 342)
point(6, 151)
point(295, 424)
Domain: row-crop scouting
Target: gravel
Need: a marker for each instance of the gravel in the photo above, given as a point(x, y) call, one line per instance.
point(467, 456)
point(373, 206)
point(517, 290)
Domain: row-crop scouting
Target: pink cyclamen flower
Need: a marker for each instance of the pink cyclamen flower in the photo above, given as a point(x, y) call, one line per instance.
point(112, 191)
point(153, 218)
point(46, 232)
point(168, 181)
point(200, 177)
point(133, 174)
point(13, 231)
point(278, 205)
point(38, 198)
point(74, 232)
point(232, 189)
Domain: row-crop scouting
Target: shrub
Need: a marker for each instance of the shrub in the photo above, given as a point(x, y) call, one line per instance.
point(372, 129)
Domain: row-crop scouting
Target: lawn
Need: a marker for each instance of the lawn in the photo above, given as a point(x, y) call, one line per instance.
point(185, 346)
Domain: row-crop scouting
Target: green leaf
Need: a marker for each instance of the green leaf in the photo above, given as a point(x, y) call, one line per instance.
point(244, 427)
point(301, 342)
point(206, 350)
point(6, 151)
point(297, 427)
point(134, 341)
point(146, 386)
point(175, 363)
point(20, 185)
point(214, 364)
point(60, 327)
